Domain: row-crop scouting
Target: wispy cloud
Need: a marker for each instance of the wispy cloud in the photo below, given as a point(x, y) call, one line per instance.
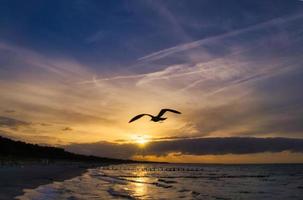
point(9, 111)
point(12, 122)
point(188, 46)
point(212, 90)
point(224, 87)
point(67, 129)
point(97, 36)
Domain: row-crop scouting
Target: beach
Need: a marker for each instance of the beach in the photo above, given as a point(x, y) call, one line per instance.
point(15, 178)
point(178, 181)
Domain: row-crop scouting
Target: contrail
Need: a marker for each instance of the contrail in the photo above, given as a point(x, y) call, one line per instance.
point(187, 46)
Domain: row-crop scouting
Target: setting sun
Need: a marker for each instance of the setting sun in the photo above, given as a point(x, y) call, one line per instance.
point(141, 140)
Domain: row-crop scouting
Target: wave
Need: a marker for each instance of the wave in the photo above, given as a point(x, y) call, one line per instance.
point(122, 194)
point(239, 182)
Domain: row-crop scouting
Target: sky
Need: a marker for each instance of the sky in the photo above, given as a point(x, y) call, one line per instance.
point(74, 72)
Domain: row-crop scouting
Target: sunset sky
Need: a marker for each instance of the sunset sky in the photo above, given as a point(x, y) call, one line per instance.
point(72, 74)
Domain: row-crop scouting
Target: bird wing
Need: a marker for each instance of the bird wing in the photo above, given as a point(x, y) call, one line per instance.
point(169, 110)
point(138, 117)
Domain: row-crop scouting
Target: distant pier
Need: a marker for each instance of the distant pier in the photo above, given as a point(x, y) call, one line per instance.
point(114, 168)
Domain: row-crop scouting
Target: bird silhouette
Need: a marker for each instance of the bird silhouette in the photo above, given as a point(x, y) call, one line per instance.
point(157, 118)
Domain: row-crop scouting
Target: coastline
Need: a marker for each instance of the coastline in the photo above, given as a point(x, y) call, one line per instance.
point(14, 179)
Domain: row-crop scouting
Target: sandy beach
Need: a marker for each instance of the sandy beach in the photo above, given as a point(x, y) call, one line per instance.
point(13, 179)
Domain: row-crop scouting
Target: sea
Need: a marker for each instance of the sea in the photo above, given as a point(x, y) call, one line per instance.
point(178, 181)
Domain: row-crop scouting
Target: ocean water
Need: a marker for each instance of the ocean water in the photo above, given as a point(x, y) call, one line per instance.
point(177, 181)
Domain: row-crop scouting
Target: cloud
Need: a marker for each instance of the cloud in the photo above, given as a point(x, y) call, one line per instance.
point(67, 129)
point(9, 111)
point(104, 149)
point(227, 94)
point(188, 46)
point(12, 122)
point(99, 35)
point(196, 146)
point(221, 146)
point(222, 83)
point(44, 124)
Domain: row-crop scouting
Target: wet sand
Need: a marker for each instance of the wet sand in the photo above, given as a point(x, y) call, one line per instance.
point(13, 179)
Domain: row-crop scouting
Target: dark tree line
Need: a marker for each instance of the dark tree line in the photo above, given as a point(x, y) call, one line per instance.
point(21, 150)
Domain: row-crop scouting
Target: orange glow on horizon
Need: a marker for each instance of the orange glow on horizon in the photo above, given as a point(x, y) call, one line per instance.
point(282, 157)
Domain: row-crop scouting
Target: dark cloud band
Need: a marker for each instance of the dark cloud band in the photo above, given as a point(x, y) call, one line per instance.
point(201, 146)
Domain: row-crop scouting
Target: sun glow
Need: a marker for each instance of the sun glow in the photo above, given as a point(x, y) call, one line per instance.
point(141, 140)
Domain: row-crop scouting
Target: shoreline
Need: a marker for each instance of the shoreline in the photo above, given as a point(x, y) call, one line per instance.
point(15, 178)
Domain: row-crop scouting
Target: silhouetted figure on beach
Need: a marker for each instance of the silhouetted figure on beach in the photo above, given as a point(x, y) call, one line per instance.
point(157, 118)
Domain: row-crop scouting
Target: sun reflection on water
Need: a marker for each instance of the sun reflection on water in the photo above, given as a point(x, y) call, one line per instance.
point(139, 184)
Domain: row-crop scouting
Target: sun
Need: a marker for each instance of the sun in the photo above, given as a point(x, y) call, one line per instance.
point(141, 140)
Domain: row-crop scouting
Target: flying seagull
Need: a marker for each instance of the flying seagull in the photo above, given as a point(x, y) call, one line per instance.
point(155, 118)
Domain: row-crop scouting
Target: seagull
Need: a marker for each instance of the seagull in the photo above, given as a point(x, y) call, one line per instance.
point(156, 118)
